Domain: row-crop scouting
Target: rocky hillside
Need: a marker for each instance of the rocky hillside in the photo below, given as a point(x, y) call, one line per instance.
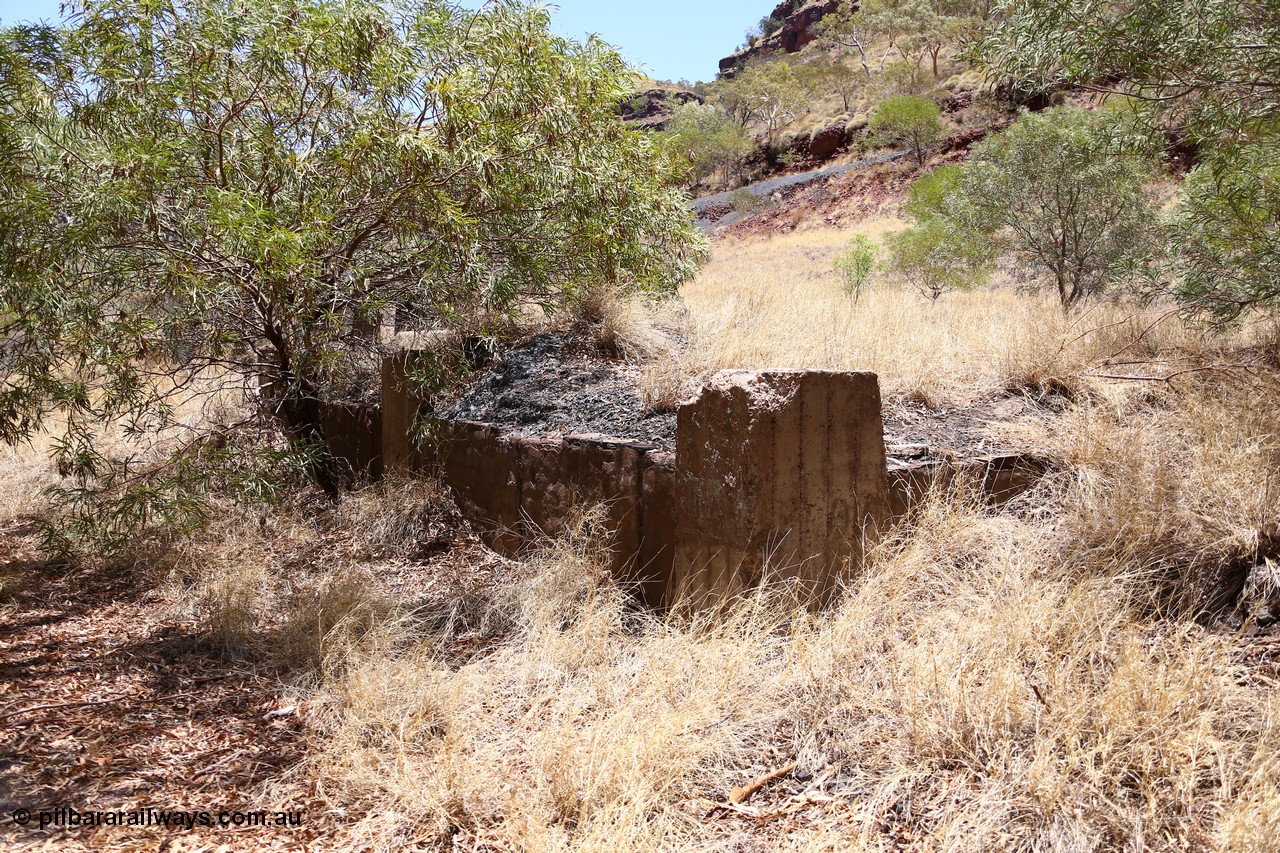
point(797, 17)
point(652, 108)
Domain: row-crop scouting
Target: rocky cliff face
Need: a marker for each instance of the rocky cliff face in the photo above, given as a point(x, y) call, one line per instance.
point(798, 18)
point(653, 108)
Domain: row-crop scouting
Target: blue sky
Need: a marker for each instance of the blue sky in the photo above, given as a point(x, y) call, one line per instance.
point(670, 39)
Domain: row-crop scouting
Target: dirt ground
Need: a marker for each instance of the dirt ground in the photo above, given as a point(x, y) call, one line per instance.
point(112, 701)
point(107, 704)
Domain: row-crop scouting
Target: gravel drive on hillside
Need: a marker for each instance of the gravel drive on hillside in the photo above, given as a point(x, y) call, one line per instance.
point(704, 207)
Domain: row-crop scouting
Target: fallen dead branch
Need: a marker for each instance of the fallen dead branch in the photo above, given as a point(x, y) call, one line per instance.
point(740, 795)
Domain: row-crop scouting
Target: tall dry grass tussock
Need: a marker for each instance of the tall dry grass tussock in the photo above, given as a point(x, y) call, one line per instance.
point(1182, 479)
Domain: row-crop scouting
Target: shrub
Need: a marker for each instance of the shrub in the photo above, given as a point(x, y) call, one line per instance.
point(854, 265)
point(745, 202)
point(1230, 240)
point(909, 120)
point(1056, 194)
point(935, 257)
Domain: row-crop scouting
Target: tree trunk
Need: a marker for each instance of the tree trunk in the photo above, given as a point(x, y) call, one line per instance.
point(295, 404)
point(862, 56)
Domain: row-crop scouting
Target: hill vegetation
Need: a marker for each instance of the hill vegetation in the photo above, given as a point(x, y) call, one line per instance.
point(807, 91)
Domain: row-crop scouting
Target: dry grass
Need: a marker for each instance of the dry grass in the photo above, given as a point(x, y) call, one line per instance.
point(1018, 681)
point(1182, 480)
point(979, 688)
point(776, 303)
point(630, 326)
point(26, 472)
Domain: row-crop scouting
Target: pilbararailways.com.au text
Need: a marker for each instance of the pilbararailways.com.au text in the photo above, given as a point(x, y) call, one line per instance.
point(70, 817)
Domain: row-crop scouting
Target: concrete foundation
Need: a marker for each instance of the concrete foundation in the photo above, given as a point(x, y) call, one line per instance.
point(778, 475)
point(517, 489)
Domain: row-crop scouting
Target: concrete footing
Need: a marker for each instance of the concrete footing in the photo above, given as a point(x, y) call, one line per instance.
point(778, 475)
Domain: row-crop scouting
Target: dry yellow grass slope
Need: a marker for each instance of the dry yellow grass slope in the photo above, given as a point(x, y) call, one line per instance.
point(1028, 679)
point(776, 303)
point(983, 686)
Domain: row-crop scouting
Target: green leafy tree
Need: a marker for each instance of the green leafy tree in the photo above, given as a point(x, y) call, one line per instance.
point(937, 30)
point(1205, 72)
point(936, 256)
point(913, 28)
point(709, 140)
point(823, 74)
point(930, 195)
point(895, 20)
point(908, 120)
point(942, 251)
point(730, 97)
point(1228, 230)
point(1054, 194)
point(769, 93)
point(1209, 66)
point(843, 27)
point(239, 191)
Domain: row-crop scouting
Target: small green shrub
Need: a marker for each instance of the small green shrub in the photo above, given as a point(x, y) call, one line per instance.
point(744, 202)
point(935, 257)
point(908, 120)
point(854, 265)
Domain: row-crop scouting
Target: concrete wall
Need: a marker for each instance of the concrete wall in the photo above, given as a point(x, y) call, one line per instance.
point(1001, 478)
point(777, 475)
point(354, 434)
point(516, 489)
point(780, 475)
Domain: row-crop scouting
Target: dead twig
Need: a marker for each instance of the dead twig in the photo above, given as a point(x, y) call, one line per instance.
point(740, 795)
point(1227, 369)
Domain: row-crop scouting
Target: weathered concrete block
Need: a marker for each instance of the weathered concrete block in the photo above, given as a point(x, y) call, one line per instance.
point(546, 499)
point(999, 478)
point(1006, 477)
point(780, 471)
point(607, 471)
point(561, 477)
point(354, 434)
point(400, 405)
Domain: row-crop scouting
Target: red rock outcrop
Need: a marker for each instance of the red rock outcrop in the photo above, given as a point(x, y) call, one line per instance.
point(798, 18)
point(826, 142)
point(653, 108)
